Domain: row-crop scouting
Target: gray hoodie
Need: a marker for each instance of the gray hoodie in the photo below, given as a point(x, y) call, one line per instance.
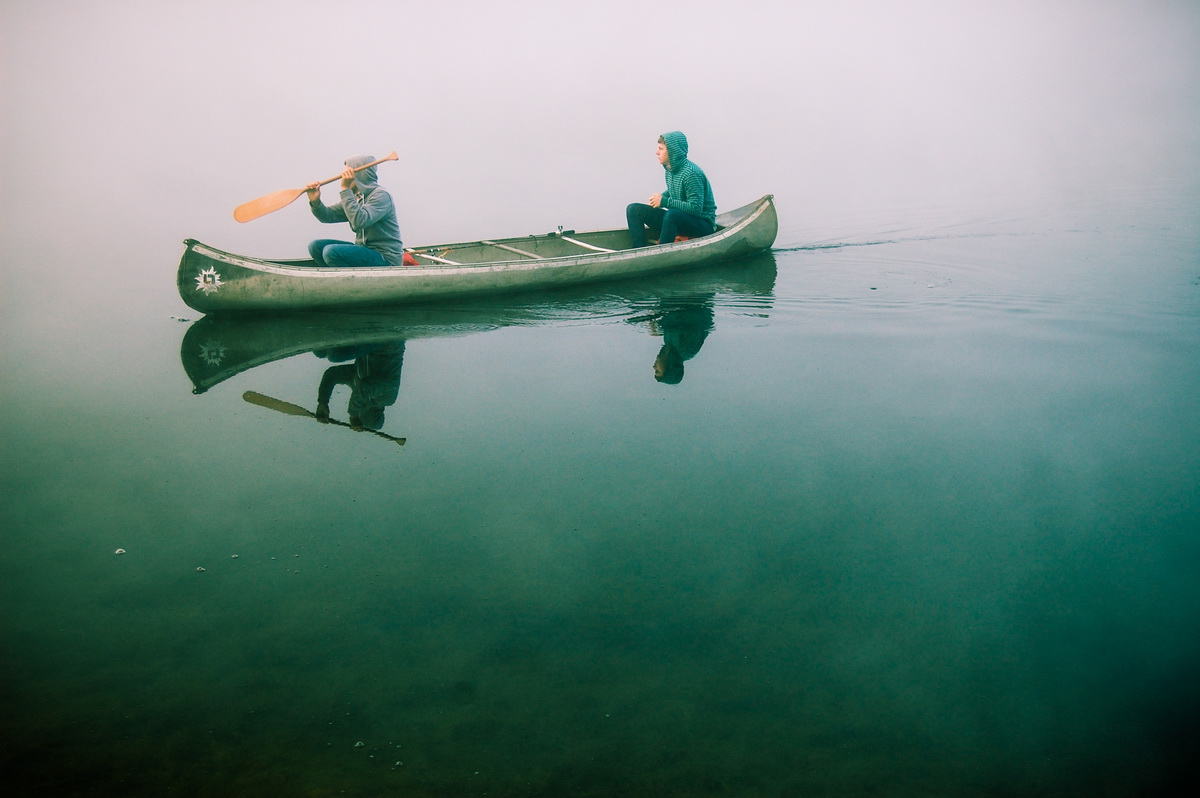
point(369, 210)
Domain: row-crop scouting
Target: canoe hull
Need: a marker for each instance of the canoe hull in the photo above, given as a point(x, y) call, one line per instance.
point(210, 280)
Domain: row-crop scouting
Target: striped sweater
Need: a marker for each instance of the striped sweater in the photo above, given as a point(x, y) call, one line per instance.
point(688, 189)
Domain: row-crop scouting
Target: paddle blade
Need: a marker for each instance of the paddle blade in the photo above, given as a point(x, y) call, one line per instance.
point(268, 204)
point(275, 404)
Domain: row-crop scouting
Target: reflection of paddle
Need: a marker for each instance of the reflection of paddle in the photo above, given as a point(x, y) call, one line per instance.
point(296, 410)
point(281, 199)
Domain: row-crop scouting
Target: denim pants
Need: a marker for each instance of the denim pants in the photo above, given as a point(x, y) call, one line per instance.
point(664, 223)
point(331, 252)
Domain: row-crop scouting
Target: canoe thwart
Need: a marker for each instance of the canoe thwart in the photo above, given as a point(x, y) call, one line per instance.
point(507, 248)
point(584, 244)
point(434, 258)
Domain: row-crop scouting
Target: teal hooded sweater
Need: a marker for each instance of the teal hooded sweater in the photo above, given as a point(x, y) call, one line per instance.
point(688, 189)
point(369, 210)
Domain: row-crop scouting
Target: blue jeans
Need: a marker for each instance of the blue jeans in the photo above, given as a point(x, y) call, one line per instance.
point(331, 252)
point(664, 223)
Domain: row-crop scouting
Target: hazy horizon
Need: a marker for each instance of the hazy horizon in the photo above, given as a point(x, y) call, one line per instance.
point(517, 118)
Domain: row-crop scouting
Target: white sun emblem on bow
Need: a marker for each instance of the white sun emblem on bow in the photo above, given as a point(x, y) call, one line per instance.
point(208, 280)
point(212, 353)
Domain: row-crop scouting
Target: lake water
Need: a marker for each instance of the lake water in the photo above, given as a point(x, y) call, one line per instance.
point(916, 517)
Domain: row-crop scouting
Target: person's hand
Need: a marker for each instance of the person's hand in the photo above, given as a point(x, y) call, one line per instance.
point(322, 413)
point(655, 200)
point(314, 191)
point(347, 178)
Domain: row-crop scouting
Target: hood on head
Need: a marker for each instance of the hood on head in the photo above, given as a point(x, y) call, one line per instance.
point(366, 179)
point(677, 147)
point(368, 412)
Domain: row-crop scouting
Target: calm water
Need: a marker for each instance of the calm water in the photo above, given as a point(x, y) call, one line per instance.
point(917, 517)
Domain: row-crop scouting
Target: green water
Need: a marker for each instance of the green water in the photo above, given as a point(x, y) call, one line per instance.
point(919, 519)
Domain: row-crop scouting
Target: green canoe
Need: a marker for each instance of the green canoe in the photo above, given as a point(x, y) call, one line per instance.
point(213, 281)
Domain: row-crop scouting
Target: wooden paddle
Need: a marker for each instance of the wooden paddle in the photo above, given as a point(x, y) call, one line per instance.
point(296, 410)
point(281, 199)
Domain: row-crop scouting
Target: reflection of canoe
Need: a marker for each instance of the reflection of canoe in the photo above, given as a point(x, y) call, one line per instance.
point(221, 346)
point(210, 280)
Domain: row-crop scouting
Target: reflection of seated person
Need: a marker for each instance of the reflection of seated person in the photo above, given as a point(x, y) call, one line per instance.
point(683, 330)
point(373, 378)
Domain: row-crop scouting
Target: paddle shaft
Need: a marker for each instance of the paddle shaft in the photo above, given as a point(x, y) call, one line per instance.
point(338, 176)
point(270, 203)
point(262, 400)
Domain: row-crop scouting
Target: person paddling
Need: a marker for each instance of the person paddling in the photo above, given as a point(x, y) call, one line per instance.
point(687, 208)
point(371, 214)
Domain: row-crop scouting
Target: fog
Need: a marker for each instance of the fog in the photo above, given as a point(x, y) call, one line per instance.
point(919, 521)
point(148, 122)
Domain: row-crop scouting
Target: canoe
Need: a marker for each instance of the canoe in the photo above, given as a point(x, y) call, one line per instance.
point(220, 346)
point(213, 281)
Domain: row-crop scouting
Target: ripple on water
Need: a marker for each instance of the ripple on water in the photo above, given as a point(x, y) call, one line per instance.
point(1128, 254)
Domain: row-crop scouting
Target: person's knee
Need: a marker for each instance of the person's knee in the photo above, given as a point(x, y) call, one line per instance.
point(332, 255)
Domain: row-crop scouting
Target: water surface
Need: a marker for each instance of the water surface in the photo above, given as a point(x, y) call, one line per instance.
point(918, 519)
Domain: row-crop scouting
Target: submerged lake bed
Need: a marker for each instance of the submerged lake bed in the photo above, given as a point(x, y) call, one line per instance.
point(917, 517)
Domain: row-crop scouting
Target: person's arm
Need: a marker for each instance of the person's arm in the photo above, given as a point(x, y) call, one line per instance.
point(660, 200)
point(693, 195)
point(323, 212)
point(333, 376)
point(362, 213)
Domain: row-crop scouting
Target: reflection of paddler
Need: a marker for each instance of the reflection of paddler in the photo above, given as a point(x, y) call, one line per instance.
point(373, 378)
point(683, 330)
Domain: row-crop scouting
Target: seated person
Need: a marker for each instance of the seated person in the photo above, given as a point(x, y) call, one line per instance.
point(372, 216)
point(687, 206)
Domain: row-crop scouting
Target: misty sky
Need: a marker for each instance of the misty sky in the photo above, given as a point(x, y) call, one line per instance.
point(152, 118)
